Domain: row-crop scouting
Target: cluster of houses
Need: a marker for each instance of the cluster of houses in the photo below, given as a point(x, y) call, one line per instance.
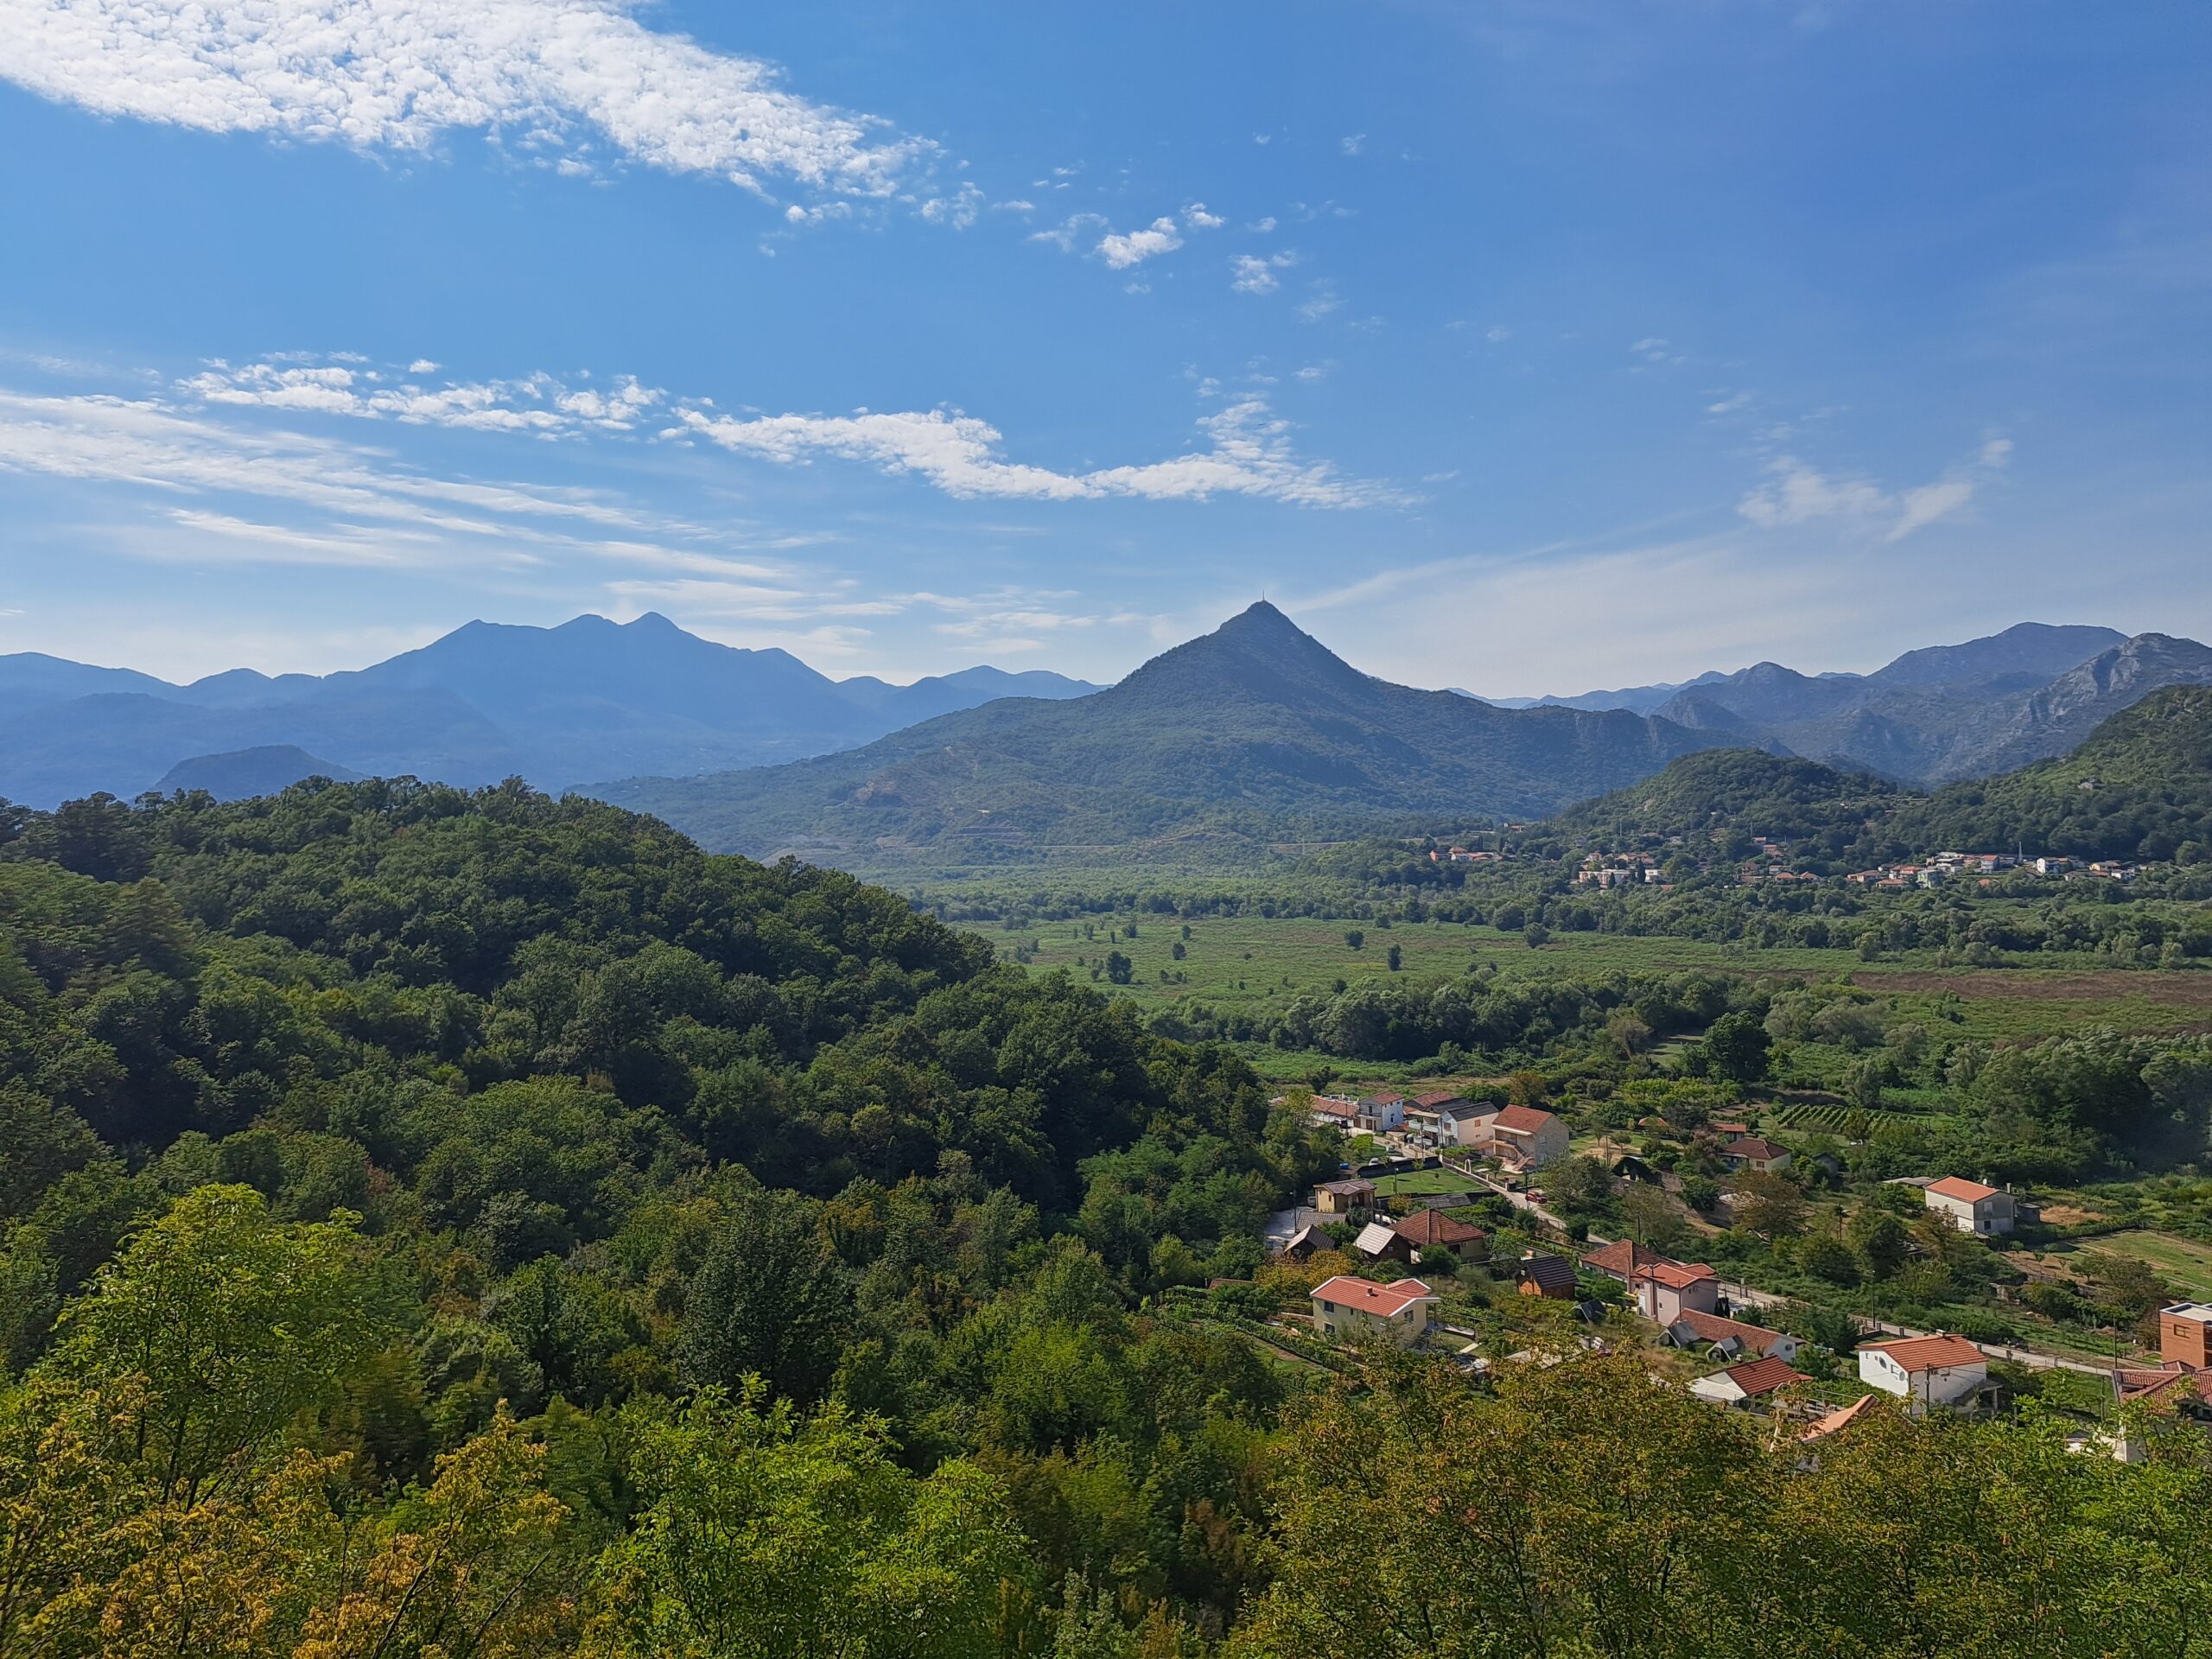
point(1688, 1304)
point(1462, 855)
point(1948, 866)
point(1521, 1137)
point(1618, 870)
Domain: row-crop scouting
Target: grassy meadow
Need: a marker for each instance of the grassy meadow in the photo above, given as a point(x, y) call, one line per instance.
point(1260, 964)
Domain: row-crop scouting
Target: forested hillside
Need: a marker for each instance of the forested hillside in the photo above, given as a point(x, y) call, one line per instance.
point(2139, 787)
point(1254, 733)
point(437, 1225)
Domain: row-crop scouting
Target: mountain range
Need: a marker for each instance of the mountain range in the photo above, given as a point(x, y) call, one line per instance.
point(1934, 715)
point(561, 707)
point(1255, 730)
point(2139, 787)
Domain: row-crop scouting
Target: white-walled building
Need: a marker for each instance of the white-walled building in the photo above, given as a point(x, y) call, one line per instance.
point(1927, 1371)
point(1970, 1206)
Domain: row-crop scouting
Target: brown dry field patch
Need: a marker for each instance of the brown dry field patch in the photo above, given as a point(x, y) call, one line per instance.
point(2181, 990)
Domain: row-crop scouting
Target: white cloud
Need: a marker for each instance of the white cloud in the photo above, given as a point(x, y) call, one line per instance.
point(1497, 334)
point(1253, 274)
point(217, 443)
point(1198, 219)
point(565, 76)
point(959, 210)
point(1064, 236)
point(1795, 493)
point(150, 445)
point(1120, 250)
point(1656, 352)
point(1730, 404)
point(1352, 144)
point(1319, 303)
point(1251, 454)
point(1263, 226)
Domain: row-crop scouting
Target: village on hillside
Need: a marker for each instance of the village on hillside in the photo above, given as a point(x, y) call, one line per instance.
point(1442, 1241)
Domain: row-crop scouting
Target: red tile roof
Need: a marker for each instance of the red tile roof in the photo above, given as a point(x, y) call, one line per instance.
point(1385, 1301)
point(1522, 1120)
point(1966, 1192)
point(1388, 1097)
point(1936, 1353)
point(1755, 1376)
point(1711, 1327)
point(1439, 1097)
point(1676, 1275)
point(1621, 1258)
point(1434, 1227)
point(1751, 1147)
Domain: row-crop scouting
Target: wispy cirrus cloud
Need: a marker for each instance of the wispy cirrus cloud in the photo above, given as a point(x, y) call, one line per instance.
point(1249, 451)
point(575, 80)
point(1795, 492)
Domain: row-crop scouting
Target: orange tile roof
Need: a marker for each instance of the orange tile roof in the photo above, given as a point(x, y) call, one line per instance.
point(1966, 1192)
point(1522, 1120)
point(1821, 1429)
point(1676, 1275)
point(1385, 1301)
point(1934, 1353)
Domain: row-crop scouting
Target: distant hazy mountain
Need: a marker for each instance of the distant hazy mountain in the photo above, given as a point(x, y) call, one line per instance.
point(1638, 699)
point(1256, 730)
point(1949, 712)
point(252, 771)
point(561, 706)
point(2024, 656)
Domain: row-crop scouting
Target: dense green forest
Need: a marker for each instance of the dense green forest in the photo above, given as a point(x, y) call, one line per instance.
point(449, 1224)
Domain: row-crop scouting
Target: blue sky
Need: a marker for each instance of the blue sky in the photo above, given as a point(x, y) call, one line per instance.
point(1523, 347)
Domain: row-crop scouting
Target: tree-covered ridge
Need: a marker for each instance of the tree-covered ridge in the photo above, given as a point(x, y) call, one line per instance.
point(2138, 787)
point(1782, 796)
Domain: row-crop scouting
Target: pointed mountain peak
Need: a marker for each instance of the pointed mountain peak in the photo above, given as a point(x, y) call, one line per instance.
point(1259, 617)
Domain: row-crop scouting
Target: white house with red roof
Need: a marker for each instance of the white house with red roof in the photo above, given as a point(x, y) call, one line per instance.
point(1344, 1306)
point(1382, 1112)
point(1926, 1371)
point(1970, 1206)
point(1524, 1136)
point(1666, 1290)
